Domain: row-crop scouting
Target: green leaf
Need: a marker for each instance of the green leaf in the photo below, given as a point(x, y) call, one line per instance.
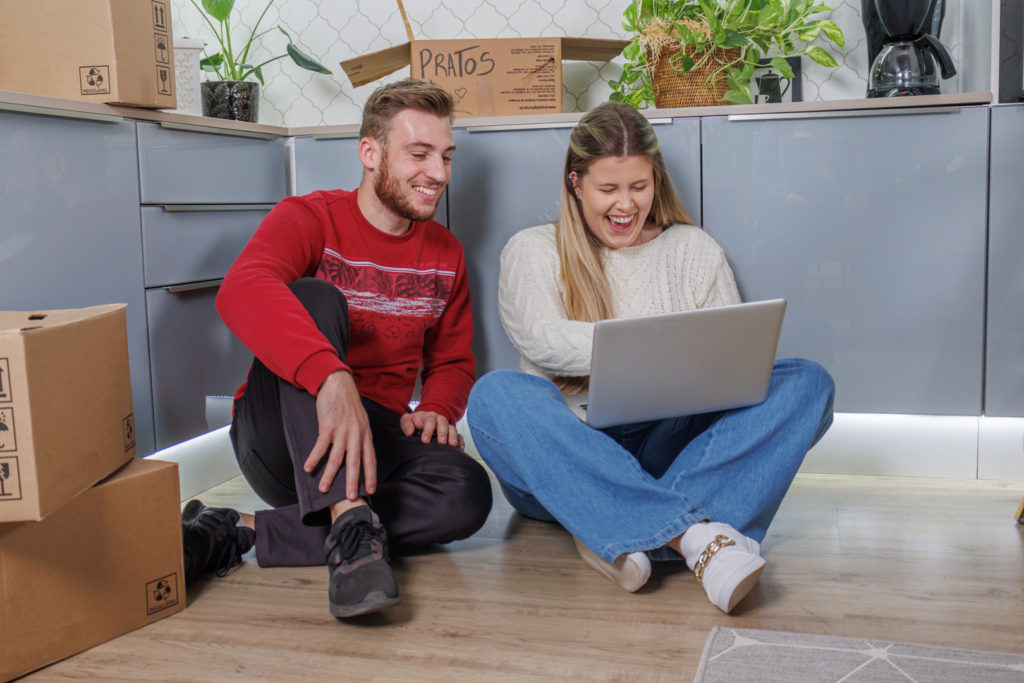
point(729, 39)
point(305, 61)
point(737, 97)
point(834, 33)
point(212, 62)
point(820, 56)
point(219, 9)
point(809, 32)
point(783, 67)
point(772, 14)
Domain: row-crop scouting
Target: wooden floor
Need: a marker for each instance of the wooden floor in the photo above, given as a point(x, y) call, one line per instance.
point(920, 560)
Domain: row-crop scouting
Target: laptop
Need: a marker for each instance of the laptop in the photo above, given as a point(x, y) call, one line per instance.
point(672, 364)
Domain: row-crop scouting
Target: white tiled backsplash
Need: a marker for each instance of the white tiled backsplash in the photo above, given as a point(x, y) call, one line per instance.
point(334, 31)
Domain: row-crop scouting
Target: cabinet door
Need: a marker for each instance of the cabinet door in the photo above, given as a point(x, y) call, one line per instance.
point(502, 182)
point(194, 355)
point(182, 246)
point(69, 228)
point(873, 227)
point(192, 167)
point(1004, 371)
point(506, 180)
point(333, 163)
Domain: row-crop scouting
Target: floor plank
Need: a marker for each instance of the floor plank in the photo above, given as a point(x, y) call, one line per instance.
point(920, 560)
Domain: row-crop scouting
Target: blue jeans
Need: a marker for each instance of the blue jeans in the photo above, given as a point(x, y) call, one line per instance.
point(635, 487)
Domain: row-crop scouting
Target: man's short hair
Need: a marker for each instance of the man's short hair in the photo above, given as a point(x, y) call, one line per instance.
point(389, 100)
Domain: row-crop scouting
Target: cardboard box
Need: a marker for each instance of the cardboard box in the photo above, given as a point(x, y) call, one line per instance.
point(493, 77)
point(66, 416)
point(106, 563)
point(109, 51)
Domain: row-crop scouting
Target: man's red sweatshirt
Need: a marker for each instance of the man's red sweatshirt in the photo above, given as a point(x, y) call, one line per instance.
point(408, 300)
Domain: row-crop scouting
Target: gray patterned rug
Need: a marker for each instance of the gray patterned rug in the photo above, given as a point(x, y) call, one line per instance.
point(742, 655)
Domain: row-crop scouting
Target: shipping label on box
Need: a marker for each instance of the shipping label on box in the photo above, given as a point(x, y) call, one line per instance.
point(494, 77)
point(66, 417)
point(109, 51)
point(106, 563)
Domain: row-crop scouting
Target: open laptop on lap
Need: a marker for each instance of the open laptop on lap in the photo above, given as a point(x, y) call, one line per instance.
point(672, 364)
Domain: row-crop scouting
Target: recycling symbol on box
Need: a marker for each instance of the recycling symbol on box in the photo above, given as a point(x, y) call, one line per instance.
point(94, 77)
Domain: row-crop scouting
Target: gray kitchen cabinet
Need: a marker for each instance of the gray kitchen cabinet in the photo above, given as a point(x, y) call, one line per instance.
point(69, 228)
point(193, 228)
point(506, 180)
point(332, 163)
point(873, 228)
point(1004, 368)
point(182, 166)
point(186, 252)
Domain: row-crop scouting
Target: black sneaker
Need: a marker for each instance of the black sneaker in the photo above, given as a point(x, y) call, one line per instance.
point(212, 539)
point(357, 558)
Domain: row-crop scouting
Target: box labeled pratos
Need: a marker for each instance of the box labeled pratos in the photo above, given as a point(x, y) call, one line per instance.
point(488, 77)
point(66, 417)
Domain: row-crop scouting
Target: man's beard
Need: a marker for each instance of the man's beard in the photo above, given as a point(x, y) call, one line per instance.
point(389, 191)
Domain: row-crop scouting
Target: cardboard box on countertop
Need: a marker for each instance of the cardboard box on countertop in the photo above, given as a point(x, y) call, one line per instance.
point(66, 417)
point(107, 51)
point(105, 564)
point(489, 77)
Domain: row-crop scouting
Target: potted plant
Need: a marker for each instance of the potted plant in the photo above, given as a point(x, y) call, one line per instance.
point(702, 52)
point(234, 96)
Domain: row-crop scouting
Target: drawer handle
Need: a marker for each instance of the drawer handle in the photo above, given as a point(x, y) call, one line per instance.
point(194, 286)
point(195, 128)
point(902, 111)
point(175, 208)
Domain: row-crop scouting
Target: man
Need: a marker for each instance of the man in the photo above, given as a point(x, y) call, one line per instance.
point(345, 298)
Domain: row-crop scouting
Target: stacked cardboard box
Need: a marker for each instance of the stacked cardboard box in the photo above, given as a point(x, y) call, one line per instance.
point(109, 51)
point(81, 562)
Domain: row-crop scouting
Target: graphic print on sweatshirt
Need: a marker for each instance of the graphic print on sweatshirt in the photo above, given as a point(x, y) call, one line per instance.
point(386, 301)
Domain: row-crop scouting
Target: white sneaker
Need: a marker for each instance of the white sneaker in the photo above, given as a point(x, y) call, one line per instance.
point(724, 562)
point(630, 570)
point(716, 528)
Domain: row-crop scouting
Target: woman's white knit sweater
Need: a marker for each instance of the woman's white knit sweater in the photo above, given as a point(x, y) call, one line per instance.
point(680, 269)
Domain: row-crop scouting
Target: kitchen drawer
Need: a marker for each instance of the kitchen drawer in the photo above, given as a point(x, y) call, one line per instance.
point(195, 167)
point(192, 355)
point(193, 245)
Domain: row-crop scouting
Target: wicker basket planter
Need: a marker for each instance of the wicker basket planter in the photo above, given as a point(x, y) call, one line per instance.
point(690, 89)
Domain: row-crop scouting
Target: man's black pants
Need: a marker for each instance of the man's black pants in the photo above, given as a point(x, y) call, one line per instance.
point(426, 493)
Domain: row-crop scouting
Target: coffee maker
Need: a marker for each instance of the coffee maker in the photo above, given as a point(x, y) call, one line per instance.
point(903, 48)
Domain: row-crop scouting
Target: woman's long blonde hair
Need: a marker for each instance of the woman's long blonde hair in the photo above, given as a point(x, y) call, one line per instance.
point(612, 129)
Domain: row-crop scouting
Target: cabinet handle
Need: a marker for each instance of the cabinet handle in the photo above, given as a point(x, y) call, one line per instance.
point(177, 208)
point(60, 113)
point(218, 131)
point(844, 114)
point(193, 286)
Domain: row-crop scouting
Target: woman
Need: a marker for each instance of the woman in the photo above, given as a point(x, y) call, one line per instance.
point(703, 486)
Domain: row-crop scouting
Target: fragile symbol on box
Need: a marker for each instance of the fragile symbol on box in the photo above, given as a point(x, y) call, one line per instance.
point(163, 55)
point(10, 479)
point(8, 440)
point(162, 593)
point(163, 80)
point(5, 381)
point(95, 79)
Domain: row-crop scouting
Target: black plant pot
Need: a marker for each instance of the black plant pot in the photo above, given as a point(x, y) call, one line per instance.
point(235, 100)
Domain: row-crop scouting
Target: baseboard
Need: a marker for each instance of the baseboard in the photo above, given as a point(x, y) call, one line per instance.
point(898, 445)
point(955, 446)
point(203, 462)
